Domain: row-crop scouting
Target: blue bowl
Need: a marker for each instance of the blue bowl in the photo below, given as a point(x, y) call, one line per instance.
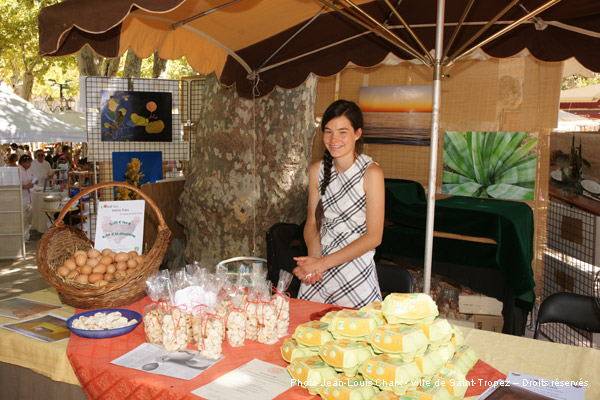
point(105, 333)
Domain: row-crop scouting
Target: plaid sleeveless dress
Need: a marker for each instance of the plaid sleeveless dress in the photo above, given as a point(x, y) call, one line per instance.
point(354, 283)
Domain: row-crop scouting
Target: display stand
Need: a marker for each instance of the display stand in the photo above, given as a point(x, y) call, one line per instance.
point(77, 181)
point(58, 180)
point(12, 241)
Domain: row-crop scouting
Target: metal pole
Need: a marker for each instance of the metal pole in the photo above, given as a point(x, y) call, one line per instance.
point(435, 122)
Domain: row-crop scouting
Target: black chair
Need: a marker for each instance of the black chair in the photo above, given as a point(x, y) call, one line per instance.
point(394, 278)
point(575, 310)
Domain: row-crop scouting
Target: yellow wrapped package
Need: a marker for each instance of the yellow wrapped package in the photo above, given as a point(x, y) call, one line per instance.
point(457, 363)
point(312, 333)
point(343, 387)
point(409, 308)
point(446, 352)
point(457, 336)
point(353, 324)
point(453, 381)
point(328, 317)
point(429, 364)
point(346, 355)
point(399, 340)
point(290, 349)
point(374, 307)
point(391, 374)
point(468, 355)
point(310, 372)
point(429, 392)
point(438, 333)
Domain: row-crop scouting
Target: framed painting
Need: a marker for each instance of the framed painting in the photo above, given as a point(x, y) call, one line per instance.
point(135, 168)
point(397, 114)
point(499, 165)
point(136, 116)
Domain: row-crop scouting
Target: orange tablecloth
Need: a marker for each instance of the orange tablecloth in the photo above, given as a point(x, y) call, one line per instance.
point(100, 379)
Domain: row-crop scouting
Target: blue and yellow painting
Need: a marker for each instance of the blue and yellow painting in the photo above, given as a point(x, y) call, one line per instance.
point(136, 116)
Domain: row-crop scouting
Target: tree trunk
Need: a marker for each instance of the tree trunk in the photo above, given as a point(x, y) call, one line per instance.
point(133, 65)
point(89, 63)
point(159, 66)
point(110, 67)
point(27, 86)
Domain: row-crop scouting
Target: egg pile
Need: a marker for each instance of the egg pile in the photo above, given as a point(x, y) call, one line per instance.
point(390, 350)
point(98, 268)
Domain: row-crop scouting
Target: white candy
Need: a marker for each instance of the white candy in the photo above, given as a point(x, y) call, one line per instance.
point(153, 326)
point(174, 331)
point(251, 321)
point(236, 328)
point(208, 333)
point(282, 305)
point(267, 323)
point(101, 321)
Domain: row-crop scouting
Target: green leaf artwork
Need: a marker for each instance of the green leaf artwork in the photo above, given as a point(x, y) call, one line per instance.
point(490, 164)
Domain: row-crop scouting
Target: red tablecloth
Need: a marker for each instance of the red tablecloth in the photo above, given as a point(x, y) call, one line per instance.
point(100, 379)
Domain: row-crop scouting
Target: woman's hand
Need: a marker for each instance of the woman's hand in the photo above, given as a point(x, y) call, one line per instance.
point(309, 269)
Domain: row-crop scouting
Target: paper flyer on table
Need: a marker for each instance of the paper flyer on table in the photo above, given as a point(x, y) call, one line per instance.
point(257, 380)
point(120, 225)
point(18, 307)
point(153, 358)
point(47, 328)
point(522, 386)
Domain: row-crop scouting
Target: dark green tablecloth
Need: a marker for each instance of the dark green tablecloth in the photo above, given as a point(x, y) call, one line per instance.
point(509, 223)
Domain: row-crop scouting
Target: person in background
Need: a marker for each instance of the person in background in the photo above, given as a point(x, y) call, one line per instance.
point(26, 186)
point(18, 151)
point(26, 149)
point(344, 224)
point(12, 160)
point(40, 168)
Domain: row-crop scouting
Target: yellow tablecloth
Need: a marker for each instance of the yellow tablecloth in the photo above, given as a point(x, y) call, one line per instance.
point(48, 359)
point(536, 357)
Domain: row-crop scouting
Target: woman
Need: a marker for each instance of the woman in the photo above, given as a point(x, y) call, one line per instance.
point(344, 225)
point(26, 185)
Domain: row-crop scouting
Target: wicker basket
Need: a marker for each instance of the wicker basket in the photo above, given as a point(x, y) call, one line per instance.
point(62, 240)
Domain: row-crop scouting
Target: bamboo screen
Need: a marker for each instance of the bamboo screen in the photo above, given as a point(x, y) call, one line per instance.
point(517, 94)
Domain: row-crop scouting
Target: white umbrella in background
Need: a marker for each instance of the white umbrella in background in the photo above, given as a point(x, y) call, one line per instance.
point(72, 117)
point(21, 121)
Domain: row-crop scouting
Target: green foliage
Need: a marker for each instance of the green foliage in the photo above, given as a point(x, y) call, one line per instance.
point(489, 164)
point(576, 81)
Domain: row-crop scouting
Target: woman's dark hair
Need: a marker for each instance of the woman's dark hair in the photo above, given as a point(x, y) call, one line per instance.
point(336, 109)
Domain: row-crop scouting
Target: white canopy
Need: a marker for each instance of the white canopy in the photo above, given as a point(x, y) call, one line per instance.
point(21, 121)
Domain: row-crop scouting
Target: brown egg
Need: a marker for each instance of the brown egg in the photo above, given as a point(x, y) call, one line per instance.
point(139, 259)
point(120, 274)
point(86, 269)
point(108, 277)
point(81, 260)
point(73, 274)
point(121, 257)
point(110, 269)
point(80, 253)
point(130, 271)
point(70, 264)
point(132, 263)
point(106, 260)
point(93, 253)
point(121, 266)
point(105, 252)
point(99, 269)
point(93, 278)
point(132, 253)
point(112, 254)
point(63, 271)
point(92, 262)
point(82, 279)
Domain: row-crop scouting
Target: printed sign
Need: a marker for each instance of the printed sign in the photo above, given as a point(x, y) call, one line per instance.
point(120, 225)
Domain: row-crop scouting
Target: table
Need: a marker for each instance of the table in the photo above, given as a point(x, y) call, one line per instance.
point(50, 212)
point(30, 368)
point(92, 366)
